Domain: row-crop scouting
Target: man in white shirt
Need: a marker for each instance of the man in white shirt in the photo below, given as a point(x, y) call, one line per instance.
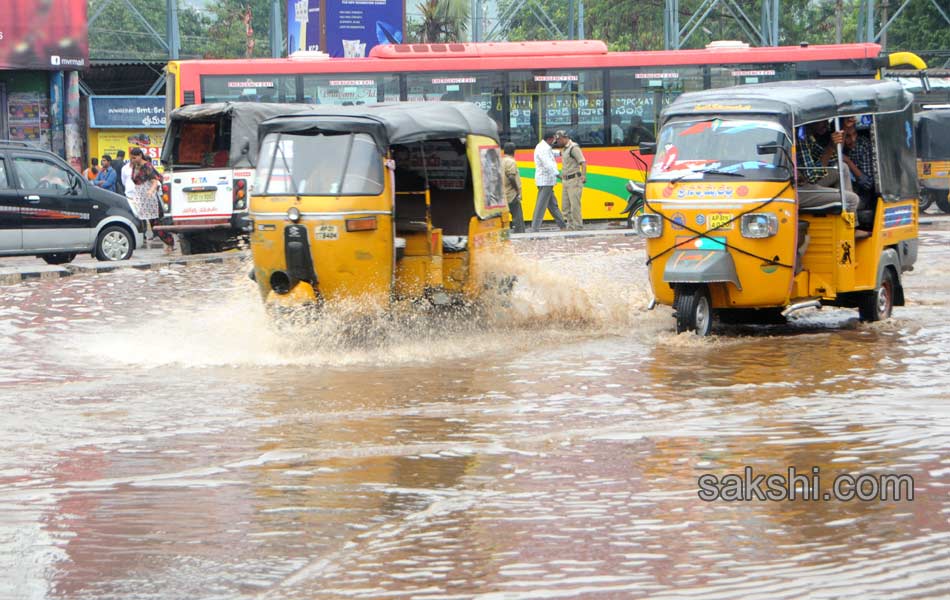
point(545, 176)
point(126, 175)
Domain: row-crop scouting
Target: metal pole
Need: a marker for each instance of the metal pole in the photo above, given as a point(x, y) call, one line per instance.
point(839, 9)
point(171, 31)
point(580, 19)
point(276, 43)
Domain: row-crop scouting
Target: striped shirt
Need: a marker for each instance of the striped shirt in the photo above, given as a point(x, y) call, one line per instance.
point(545, 167)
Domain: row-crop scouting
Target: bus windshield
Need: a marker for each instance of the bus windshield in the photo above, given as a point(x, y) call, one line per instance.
point(720, 148)
point(319, 165)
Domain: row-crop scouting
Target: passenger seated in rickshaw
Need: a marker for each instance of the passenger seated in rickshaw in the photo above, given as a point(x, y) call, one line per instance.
point(818, 176)
point(859, 157)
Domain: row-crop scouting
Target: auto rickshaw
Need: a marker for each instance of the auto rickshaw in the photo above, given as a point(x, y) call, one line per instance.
point(726, 236)
point(378, 203)
point(933, 157)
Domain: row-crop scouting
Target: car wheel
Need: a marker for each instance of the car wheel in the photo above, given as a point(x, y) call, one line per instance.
point(693, 310)
point(114, 243)
point(876, 305)
point(59, 258)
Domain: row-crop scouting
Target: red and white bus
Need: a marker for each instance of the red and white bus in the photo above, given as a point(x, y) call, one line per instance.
point(610, 101)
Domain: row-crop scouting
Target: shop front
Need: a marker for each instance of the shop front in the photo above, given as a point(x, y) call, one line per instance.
point(126, 122)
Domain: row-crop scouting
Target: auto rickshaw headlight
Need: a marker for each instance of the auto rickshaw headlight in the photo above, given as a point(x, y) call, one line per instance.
point(758, 225)
point(650, 226)
point(293, 213)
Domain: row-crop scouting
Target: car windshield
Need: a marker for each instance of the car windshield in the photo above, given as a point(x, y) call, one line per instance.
point(719, 149)
point(319, 165)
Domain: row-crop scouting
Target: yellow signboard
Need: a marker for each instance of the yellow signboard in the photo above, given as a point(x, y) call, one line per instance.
point(110, 141)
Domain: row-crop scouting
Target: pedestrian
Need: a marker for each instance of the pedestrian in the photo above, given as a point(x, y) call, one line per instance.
point(545, 176)
point(574, 176)
point(93, 170)
point(512, 181)
point(119, 165)
point(144, 199)
point(107, 175)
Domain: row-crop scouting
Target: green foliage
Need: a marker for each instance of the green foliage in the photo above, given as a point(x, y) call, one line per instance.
point(442, 21)
point(218, 32)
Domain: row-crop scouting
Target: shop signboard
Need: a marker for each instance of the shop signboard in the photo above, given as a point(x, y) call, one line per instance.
point(126, 112)
point(51, 34)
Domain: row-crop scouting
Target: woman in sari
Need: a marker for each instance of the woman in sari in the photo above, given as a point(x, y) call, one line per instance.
point(144, 198)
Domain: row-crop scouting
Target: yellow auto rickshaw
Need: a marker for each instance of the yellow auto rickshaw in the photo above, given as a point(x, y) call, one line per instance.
point(729, 234)
point(378, 203)
point(933, 157)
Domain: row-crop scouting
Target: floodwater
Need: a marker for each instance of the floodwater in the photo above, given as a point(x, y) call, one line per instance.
point(160, 439)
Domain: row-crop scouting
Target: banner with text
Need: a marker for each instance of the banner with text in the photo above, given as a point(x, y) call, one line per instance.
point(51, 34)
point(353, 27)
point(126, 112)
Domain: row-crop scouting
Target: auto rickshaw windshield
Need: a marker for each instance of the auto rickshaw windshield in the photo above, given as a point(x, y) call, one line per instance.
point(319, 165)
point(720, 148)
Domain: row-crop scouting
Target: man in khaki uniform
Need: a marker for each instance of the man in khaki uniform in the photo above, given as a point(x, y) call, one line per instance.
point(512, 181)
point(574, 176)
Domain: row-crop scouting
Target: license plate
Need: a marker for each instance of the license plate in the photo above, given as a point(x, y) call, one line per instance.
point(326, 232)
point(719, 220)
point(201, 196)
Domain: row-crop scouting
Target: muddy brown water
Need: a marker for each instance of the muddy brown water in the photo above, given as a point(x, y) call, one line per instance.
point(161, 439)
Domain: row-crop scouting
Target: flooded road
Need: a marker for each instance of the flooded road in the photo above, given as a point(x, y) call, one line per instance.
point(161, 440)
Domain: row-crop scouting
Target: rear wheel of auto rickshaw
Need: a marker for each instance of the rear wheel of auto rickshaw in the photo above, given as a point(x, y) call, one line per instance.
point(925, 200)
point(876, 305)
point(693, 309)
point(943, 203)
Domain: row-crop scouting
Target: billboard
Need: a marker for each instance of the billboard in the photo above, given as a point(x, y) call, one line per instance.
point(348, 28)
point(303, 25)
point(127, 112)
point(355, 26)
point(43, 34)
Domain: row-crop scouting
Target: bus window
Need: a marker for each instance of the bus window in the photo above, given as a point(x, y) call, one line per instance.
point(730, 75)
point(484, 88)
point(350, 89)
point(248, 88)
point(551, 100)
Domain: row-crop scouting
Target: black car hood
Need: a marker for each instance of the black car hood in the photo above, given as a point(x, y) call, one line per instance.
point(109, 198)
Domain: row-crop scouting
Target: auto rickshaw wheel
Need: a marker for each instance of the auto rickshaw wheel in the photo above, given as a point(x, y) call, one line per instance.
point(943, 203)
point(693, 309)
point(925, 200)
point(876, 305)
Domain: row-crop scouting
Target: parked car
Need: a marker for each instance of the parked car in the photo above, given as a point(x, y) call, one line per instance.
point(49, 210)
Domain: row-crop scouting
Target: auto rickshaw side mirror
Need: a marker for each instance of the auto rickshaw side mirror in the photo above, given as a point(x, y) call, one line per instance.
point(768, 148)
point(647, 148)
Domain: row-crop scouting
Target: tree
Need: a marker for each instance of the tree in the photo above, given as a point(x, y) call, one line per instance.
point(442, 21)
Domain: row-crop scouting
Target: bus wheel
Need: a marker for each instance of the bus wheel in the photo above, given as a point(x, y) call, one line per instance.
point(943, 203)
point(693, 309)
point(876, 305)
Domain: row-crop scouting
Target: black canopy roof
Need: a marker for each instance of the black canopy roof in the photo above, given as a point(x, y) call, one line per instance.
point(933, 134)
point(245, 118)
point(392, 123)
point(803, 101)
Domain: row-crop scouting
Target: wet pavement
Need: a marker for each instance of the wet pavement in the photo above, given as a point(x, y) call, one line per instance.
point(162, 439)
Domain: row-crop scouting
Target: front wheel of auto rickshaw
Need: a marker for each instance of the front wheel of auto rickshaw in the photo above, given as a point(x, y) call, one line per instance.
point(693, 309)
point(876, 305)
point(943, 203)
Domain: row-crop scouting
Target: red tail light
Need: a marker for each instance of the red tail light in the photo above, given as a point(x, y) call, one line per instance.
point(166, 196)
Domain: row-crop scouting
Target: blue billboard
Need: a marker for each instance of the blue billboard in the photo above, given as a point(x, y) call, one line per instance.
point(303, 25)
point(353, 27)
point(127, 112)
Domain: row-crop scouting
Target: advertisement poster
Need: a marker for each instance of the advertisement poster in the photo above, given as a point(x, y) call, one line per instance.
point(28, 117)
point(303, 25)
point(127, 112)
point(47, 34)
point(150, 141)
point(353, 27)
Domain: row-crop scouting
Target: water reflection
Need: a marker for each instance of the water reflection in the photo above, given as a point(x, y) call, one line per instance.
point(164, 441)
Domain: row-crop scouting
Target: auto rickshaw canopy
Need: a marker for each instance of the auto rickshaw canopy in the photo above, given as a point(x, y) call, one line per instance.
point(799, 101)
point(933, 134)
point(390, 123)
point(245, 118)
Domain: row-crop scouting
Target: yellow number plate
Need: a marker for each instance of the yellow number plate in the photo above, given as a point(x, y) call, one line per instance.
point(200, 196)
point(717, 221)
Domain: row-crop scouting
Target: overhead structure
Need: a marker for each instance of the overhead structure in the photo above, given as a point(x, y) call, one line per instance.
point(867, 19)
point(765, 34)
